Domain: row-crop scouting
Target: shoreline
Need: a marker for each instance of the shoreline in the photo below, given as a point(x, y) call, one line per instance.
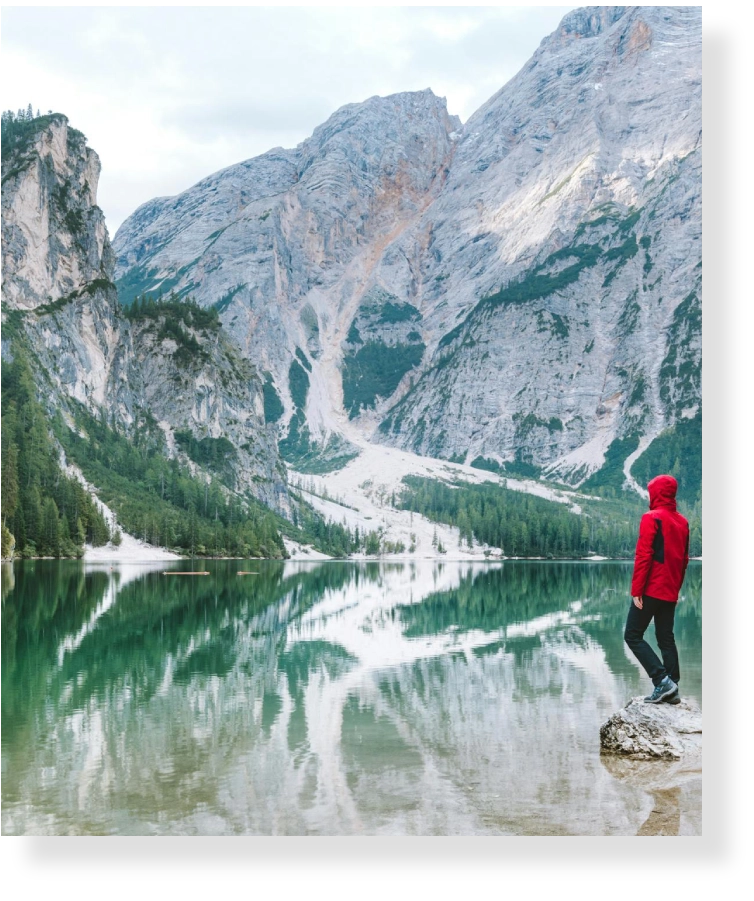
point(356, 558)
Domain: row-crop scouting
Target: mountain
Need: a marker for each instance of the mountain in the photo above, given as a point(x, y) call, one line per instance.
point(162, 378)
point(283, 246)
point(522, 292)
point(400, 300)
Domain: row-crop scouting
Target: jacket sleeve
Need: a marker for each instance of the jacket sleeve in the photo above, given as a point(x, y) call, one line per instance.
point(644, 554)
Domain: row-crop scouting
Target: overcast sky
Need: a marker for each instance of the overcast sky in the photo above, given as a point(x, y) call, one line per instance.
point(167, 96)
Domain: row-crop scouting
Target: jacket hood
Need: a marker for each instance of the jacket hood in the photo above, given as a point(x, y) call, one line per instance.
point(662, 491)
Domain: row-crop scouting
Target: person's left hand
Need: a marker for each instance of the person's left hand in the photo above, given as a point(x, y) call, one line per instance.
point(638, 602)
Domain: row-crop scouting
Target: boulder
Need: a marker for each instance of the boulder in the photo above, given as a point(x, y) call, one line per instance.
point(643, 731)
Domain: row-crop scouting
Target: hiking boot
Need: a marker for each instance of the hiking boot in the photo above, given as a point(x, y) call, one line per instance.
point(675, 698)
point(666, 689)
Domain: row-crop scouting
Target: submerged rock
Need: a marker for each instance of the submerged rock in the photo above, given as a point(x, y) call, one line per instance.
point(645, 731)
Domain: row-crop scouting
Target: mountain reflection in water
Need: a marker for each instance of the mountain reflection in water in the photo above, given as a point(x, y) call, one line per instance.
point(332, 698)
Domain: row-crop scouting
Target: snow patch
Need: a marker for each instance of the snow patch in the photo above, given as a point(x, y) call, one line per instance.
point(589, 458)
point(130, 550)
point(644, 443)
point(364, 494)
point(303, 551)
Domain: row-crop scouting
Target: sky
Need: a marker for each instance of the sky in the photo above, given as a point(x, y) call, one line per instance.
point(168, 95)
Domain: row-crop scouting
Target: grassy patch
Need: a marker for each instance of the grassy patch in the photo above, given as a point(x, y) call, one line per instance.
point(225, 301)
point(398, 312)
point(521, 469)
point(273, 406)
point(215, 454)
point(678, 452)
point(298, 382)
point(303, 359)
point(610, 475)
point(621, 254)
point(89, 290)
point(13, 326)
point(375, 370)
point(354, 336)
point(629, 315)
point(138, 281)
point(486, 464)
point(554, 323)
point(526, 424)
point(537, 284)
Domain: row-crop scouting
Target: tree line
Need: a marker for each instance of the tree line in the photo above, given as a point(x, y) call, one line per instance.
point(158, 499)
point(45, 512)
point(178, 319)
point(523, 525)
point(185, 310)
point(17, 127)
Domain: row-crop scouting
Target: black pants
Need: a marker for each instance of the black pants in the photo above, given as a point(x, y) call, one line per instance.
point(663, 613)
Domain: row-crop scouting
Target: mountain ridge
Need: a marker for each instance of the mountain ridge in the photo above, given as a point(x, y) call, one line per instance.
point(126, 381)
point(581, 143)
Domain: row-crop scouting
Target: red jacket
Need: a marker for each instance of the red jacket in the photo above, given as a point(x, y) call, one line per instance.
point(662, 551)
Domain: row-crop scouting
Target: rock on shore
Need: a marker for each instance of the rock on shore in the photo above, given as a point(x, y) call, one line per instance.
point(645, 731)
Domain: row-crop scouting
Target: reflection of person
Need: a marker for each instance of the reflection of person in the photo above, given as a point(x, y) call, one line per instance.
point(662, 555)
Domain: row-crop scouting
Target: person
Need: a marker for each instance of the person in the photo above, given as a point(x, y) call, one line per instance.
point(662, 555)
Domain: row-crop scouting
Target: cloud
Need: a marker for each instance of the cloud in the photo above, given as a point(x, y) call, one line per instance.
point(246, 117)
point(168, 95)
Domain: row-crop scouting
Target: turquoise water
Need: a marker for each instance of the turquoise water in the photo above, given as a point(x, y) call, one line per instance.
point(332, 698)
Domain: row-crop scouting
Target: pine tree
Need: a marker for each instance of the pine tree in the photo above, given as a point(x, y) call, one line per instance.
point(9, 469)
point(19, 526)
point(51, 532)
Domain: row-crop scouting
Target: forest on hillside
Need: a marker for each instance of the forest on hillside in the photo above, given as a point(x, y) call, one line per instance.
point(45, 512)
point(524, 525)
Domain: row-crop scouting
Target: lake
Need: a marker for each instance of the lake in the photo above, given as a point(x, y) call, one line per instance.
point(333, 698)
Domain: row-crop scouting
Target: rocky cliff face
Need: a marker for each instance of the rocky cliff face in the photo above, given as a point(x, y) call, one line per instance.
point(58, 265)
point(207, 399)
point(54, 236)
point(284, 246)
point(525, 288)
point(567, 253)
point(59, 294)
